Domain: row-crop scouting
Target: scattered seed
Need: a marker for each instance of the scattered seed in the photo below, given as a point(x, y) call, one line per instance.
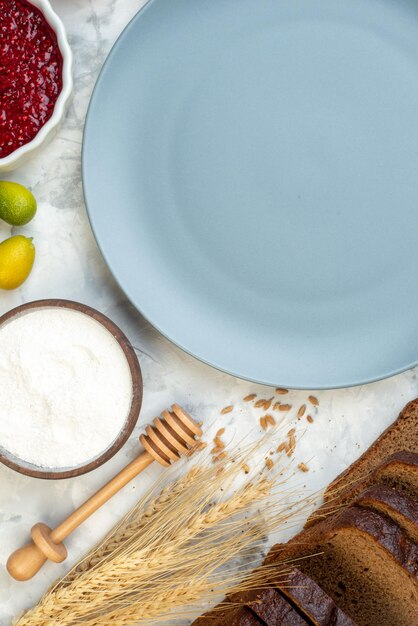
point(291, 432)
point(267, 404)
point(219, 443)
point(216, 450)
point(303, 467)
point(282, 447)
point(260, 403)
point(285, 407)
point(220, 432)
point(227, 409)
point(301, 410)
point(276, 406)
point(281, 392)
point(270, 419)
point(252, 396)
point(310, 419)
point(263, 423)
point(245, 468)
point(269, 463)
point(291, 445)
point(313, 400)
point(221, 456)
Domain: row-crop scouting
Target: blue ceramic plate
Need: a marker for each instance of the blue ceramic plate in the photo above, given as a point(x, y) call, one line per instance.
point(251, 175)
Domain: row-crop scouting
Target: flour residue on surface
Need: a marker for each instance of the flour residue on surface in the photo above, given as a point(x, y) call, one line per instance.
point(65, 387)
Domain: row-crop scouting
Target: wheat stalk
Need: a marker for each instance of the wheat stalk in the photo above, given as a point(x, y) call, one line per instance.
point(132, 523)
point(167, 553)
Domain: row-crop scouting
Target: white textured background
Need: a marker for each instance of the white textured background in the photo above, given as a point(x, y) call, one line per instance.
point(68, 265)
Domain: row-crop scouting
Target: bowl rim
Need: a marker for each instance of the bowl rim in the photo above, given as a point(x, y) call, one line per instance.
point(34, 471)
point(67, 86)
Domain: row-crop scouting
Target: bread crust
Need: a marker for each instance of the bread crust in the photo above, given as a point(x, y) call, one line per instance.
point(312, 600)
point(402, 509)
point(399, 469)
point(400, 435)
point(264, 606)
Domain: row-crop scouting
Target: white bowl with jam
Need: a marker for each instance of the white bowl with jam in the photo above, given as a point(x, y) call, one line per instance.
point(35, 80)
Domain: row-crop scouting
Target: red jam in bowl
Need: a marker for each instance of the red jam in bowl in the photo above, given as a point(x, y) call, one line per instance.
point(30, 73)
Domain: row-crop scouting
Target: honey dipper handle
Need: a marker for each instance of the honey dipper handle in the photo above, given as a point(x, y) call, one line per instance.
point(164, 442)
point(100, 497)
point(28, 560)
point(24, 563)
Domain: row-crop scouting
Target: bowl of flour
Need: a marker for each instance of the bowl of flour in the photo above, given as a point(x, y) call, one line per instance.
point(70, 389)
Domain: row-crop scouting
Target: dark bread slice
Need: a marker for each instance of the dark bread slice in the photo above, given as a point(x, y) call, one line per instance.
point(401, 435)
point(399, 470)
point(234, 616)
point(364, 561)
point(266, 605)
point(393, 503)
point(272, 608)
point(311, 603)
point(305, 594)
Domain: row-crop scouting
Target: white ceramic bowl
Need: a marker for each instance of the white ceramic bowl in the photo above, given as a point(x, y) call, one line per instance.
point(48, 130)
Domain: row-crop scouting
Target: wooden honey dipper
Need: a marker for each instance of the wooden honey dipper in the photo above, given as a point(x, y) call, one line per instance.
point(164, 442)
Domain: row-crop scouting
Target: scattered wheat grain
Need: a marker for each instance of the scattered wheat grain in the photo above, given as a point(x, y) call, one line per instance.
point(303, 467)
point(227, 409)
point(291, 445)
point(267, 404)
point(250, 397)
point(313, 400)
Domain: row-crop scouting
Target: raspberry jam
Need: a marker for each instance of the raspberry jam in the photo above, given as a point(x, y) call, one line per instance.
point(30, 73)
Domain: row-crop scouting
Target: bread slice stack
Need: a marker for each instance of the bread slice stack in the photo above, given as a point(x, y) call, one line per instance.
point(356, 561)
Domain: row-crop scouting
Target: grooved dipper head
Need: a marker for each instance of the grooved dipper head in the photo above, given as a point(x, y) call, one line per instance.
point(175, 433)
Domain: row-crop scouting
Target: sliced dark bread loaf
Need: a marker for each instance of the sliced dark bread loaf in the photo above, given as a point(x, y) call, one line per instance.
point(395, 504)
point(312, 601)
point(265, 606)
point(401, 435)
point(399, 470)
point(364, 561)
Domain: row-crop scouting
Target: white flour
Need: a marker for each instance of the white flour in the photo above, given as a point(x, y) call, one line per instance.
point(65, 387)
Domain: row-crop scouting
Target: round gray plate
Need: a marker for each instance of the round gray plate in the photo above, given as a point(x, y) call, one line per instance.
point(251, 175)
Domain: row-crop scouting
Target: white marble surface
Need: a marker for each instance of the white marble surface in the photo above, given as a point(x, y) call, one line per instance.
point(69, 265)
